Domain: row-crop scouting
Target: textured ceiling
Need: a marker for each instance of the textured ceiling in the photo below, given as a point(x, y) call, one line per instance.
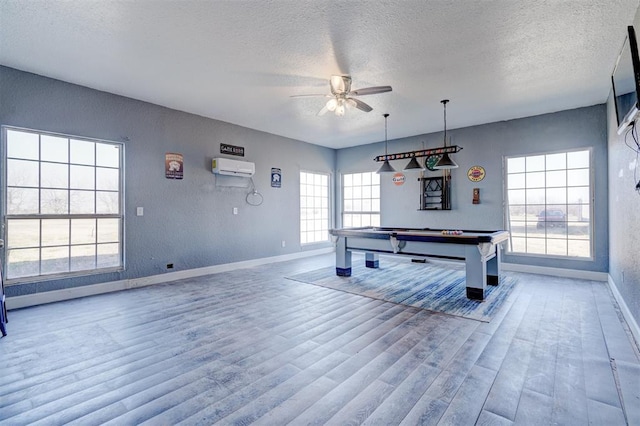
point(240, 61)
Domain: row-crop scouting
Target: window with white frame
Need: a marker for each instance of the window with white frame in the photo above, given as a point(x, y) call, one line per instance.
point(549, 204)
point(63, 209)
point(360, 199)
point(314, 207)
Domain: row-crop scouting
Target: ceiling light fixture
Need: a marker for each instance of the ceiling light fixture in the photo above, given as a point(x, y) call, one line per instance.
point(386, 167)
point(413, 165)
point(445, 162)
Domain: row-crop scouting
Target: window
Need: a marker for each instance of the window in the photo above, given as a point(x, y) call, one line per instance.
point(549, 204)
point(314, 207)
point(360, 199)
point(63, 204)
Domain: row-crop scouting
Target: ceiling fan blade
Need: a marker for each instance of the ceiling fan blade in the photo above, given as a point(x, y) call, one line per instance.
point(340, 84)
point(360, 105)
point(370, 90)
point(312, 95)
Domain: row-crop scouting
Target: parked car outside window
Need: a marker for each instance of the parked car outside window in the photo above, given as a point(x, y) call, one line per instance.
point(552, 218)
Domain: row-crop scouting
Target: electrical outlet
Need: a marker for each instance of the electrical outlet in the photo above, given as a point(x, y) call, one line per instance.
point(235, 210)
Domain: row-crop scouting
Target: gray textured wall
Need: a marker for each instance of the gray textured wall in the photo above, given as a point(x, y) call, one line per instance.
point(186, 222)
point(486, 146)
point(624, 214)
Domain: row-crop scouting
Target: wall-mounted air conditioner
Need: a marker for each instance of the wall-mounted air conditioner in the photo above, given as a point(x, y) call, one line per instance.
point(227, 166)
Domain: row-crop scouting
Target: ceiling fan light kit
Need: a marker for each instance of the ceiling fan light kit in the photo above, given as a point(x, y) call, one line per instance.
point(444, 163)
point(342, 96)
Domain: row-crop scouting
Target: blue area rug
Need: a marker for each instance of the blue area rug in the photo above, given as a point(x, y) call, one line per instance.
point(433, 286)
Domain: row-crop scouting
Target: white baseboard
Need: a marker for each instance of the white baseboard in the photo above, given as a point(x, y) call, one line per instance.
point(17, 302)
point(556, 272)
point(626, 313)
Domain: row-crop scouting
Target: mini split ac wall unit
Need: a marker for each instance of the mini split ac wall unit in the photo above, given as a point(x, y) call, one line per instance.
point(227, 166)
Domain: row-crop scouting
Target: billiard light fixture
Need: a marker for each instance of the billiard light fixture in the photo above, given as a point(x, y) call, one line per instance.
point(413, 166)
point(445, 162)
point(386, 167)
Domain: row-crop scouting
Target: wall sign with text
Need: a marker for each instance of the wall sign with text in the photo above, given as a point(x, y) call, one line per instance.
point(276, 177)
point(173, 165)
point(476, 173)
point(231, 150)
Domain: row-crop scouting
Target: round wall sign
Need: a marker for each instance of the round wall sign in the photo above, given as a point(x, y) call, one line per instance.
point(476, 173)
point(398, 179)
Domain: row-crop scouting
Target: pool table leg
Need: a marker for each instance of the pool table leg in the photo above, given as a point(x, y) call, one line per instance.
point(476, 271)
point(371, 260)
point(493, 267)
point(343, 258)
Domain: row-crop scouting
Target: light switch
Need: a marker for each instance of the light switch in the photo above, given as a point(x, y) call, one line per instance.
point(139, 211)
point(235, 210)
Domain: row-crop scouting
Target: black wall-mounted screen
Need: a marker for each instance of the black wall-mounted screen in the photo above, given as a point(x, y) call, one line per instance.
point(626, 82)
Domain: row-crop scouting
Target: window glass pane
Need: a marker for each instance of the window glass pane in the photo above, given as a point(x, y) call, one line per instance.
point(579, 248)
point(108, 255)
point(83, 257)
point(54, 148)
point(535, 196)
point(82, 152)
point(557, 161)
point(556, 178)
point(516, 196)
point(22, 233)
point(54, 201)
point(579, 195)
point(557, 247)
point(536, 245)
point(54, 175)
point(107, 155)
point(23, 145)
point(22, 173)
point(347, 179)
point(22, 201)
point(82, 202)
point(108, 230)
point(23, 263)
point(578, 177)
point(535, 163)
point(535, 180)
point(515, 165)
point(82, 177)
point(578, 159)
point(516, 181)
point(107, 202)
point(518, 245)
point(55, 232)
point(54, 260)
point(83, 231)
point(556, 195)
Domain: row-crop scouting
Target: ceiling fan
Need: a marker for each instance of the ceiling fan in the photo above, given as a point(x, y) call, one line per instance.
point(342, 96)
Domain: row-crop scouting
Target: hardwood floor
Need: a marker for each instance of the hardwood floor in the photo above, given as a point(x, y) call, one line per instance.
point(250, 346)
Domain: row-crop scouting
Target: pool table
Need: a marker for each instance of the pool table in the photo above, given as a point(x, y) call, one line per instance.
point(480, 250)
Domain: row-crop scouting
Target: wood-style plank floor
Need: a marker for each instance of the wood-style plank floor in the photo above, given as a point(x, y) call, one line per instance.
point(250, 346)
